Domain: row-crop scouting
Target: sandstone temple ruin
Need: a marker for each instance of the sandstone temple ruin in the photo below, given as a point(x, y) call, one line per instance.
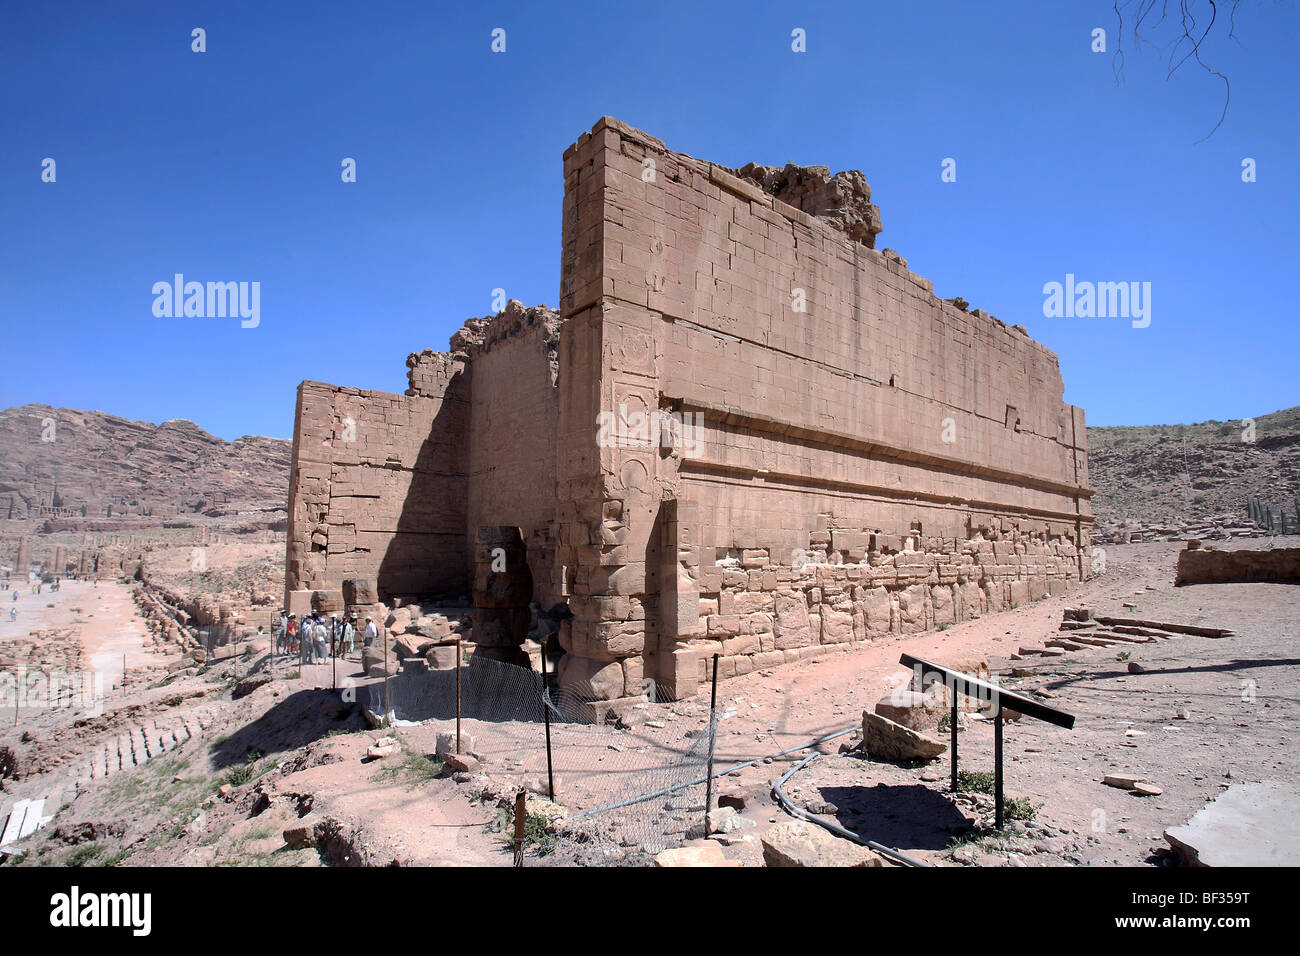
point(746, 432)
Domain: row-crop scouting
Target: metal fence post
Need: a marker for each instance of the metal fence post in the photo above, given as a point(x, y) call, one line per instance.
point(997, 768)
point(546, 714)
point(713, 736)
point(458, 693)
point(953, 733)
point(521, 813)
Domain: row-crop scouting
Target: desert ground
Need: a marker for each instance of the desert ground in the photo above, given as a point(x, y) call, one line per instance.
point(242, 760)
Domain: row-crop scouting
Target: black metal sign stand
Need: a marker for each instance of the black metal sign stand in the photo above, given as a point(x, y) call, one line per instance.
point(959, 683)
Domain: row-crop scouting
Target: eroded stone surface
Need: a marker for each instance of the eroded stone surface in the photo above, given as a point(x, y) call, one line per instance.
point(745, 433)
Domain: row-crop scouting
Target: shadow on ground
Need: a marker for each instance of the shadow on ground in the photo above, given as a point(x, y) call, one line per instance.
point(909, 816)
point(294, 722)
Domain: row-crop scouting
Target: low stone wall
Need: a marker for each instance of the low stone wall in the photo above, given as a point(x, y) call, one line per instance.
point(757, 614)
point(1210, 566)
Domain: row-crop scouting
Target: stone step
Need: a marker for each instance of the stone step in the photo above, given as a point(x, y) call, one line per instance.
point(1065, 645)
point(1126, 638)
point(1094, 641)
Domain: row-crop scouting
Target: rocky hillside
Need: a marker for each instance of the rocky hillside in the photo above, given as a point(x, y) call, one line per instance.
point(93, 469)
point(1167, 478)
point(70, 467)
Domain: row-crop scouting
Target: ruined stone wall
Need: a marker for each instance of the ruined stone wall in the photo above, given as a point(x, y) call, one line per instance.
point(1212, 566)
point(512, 450)
point(867, 458)
point(377, 487)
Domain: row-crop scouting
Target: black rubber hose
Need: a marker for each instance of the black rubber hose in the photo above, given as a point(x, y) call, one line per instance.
point(835, 828)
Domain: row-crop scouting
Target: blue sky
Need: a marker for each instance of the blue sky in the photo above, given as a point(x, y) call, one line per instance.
point(225, 165)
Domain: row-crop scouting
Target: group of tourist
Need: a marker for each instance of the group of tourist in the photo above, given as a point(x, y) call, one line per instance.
point(316, 638)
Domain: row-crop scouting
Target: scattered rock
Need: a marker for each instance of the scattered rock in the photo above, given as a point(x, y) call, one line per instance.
point(724, 820)
point(702, 853)
point(912, 709)
point(250, 684)
point(446, 744)
point(799, 843)
point(462, 763)
point(883, 738)
point(1121, 781)
point(965, 854)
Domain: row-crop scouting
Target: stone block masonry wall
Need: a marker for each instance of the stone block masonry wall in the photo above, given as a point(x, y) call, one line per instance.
point(378, 484)
point(843, 410)
point(1211, 566)
point(512, 452)
point(757, 614)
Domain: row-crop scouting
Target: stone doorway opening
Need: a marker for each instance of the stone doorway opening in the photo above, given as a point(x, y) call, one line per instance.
point(503, 594)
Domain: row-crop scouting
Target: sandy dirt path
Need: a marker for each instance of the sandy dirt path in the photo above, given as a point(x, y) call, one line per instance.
point(104, 617)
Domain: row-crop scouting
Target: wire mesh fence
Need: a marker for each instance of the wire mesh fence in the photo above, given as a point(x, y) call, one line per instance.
point(633, 782)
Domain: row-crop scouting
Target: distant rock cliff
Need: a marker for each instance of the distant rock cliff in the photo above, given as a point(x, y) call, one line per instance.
point(72, 469)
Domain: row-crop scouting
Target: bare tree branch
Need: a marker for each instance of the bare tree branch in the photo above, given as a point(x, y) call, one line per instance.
point(1187, 44)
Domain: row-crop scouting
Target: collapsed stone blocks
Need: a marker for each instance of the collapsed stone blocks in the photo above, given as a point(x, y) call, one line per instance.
point(745, 433)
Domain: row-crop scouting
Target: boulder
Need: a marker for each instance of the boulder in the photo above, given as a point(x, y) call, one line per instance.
point(912, 709)
point(970, 665)
point(446, 744)
point(409, 645)
point(250, 684)
point(374, 656)
point(725, 820)
point(441, 658)
point(398, 620)
point(702, 853)
point(799, 843)
point(881, 737)
point(306, 831)
point(461, 763)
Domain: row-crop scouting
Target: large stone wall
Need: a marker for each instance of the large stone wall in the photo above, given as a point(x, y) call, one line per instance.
point(846, 456)
point(512, 453)
point(396, 488)
point(377, 487)
point(864, 451)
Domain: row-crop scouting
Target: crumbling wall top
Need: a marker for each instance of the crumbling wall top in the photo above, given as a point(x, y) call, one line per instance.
point(483, 334)
point(842, 201)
